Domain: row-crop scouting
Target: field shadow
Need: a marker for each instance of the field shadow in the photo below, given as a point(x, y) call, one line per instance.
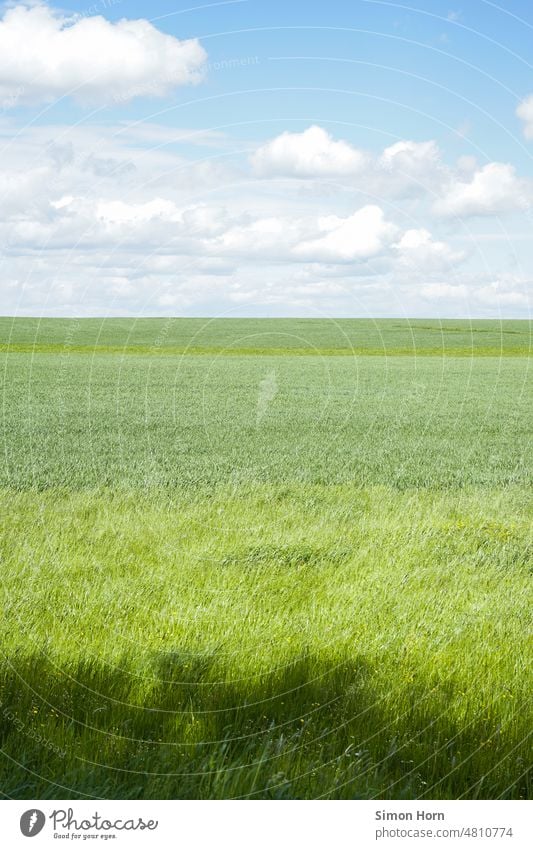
point(187, 727)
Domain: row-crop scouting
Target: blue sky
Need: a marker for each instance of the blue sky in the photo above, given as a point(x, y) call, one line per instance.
point(340, 158)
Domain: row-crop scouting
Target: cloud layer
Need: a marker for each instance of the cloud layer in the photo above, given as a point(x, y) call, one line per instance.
point(141, 218)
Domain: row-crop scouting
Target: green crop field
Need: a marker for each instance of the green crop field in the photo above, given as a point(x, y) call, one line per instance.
point(266, 558)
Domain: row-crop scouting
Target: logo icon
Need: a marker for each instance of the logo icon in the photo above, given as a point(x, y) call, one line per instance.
point(268, 389)
point(32, 822)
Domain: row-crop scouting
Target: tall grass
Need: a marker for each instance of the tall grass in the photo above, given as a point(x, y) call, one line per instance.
point(273, 642)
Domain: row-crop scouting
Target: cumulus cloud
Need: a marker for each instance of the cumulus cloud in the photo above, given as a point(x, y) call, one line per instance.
point(269, 238)
point(492, 190)
point(312, 153)
point(46, 54)
point(359, 236)
point(500, 293)
point(525, 112)
point(408, 169)
point(404, 169)
point(417, 249)
point(410, 157)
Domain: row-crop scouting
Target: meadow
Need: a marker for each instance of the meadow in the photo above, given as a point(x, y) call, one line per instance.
point(265, 558)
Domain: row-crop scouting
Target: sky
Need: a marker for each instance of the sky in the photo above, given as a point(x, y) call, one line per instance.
point(363, 158)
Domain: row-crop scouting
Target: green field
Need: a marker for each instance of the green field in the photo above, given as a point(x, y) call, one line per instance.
point(266, 558)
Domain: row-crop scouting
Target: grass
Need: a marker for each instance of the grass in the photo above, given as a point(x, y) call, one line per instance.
point(264, 575)
point(392, 337)
point(143, 422)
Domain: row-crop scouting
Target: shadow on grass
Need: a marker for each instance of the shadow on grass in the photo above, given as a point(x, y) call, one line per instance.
point(188, 727)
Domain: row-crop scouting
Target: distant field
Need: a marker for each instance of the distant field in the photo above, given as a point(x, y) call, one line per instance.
point(234, 336)
point(143, 422)
point(266, 558)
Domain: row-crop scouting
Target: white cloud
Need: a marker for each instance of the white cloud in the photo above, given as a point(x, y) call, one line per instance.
point(404, 169)
point(270, 238)
point(479, 296)
point(45, 54)
point(492, 190)
point(409, 168)
point(312, 153)
point(359, 236)
point(410, 157)
point(501, 294)
point(418, 250)
point(525, 112)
